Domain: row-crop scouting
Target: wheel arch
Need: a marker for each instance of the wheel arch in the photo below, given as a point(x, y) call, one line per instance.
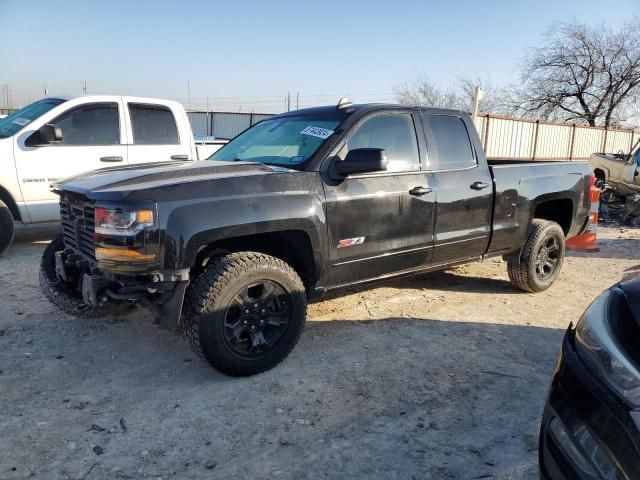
point(293, 246)
point(559, 210)
point(601, 174)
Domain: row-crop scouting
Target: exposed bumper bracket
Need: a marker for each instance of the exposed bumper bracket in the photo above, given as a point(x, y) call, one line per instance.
point(169, 311)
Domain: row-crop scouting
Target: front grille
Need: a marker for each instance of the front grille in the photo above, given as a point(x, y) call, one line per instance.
point(78, 225)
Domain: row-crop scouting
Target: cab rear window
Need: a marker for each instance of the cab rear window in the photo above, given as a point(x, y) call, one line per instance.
point(153, 125)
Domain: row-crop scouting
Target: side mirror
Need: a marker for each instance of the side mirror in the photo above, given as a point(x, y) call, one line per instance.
point(50, 133)
point(45, 135)
point(363, 160)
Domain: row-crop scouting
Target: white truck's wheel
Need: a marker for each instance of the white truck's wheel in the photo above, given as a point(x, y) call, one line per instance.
point(7, 227)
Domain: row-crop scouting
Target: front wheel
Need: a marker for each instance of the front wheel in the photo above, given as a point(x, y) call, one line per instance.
point(245, 312)
point(541, 258)
point(7, 228)
point(64, 295)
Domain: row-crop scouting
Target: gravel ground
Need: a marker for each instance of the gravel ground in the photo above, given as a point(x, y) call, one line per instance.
point(441, 376)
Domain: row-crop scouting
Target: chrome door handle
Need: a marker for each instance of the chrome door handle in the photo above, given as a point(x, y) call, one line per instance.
point(419, 191)
point(179, 157)
point(113, 159)
point(479, 185)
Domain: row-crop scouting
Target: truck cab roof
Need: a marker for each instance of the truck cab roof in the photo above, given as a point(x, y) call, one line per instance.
point(364, 108)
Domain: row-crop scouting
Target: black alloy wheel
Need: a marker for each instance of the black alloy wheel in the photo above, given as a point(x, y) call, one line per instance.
point(548, 257)
point(257, 317)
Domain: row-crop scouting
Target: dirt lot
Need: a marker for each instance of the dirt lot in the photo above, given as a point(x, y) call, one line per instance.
point(441, 376)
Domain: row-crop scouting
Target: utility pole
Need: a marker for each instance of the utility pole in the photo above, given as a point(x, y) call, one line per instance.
point(6, 95)
point(298, 101)
point(288, 101)
point(188, 96)
point(45, 90)
point(478, 94)
point(83, 84)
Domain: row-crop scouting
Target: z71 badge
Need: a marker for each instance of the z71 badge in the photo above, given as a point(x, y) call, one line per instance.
point(351, 242)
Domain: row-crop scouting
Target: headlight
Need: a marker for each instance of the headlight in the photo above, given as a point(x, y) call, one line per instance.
point(597, 345)
point(122, 222)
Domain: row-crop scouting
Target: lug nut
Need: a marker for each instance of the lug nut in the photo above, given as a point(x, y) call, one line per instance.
point(245, 322)
point(264, 310)
point(246, 311)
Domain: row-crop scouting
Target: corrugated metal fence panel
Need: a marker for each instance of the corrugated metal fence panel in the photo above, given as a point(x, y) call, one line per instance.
point(618, 140)
point(199, 123)
point(502, 137)
point(222, 124)
point(508, 138)
point(587, 141)
point(522, 139)
point(480, 123)
point(257, 117)
point(554, 141)
point(514, 138)
point(228, 125)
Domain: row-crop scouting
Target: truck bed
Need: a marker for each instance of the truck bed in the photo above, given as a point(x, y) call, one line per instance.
point(521, 185)
point(513, 161)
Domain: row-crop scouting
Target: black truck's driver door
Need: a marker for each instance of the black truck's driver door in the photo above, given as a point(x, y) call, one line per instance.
point(381, 222)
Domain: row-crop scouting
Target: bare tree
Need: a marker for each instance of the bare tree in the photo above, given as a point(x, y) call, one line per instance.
point(422, 91)
point(585, 74)
point(459, 95)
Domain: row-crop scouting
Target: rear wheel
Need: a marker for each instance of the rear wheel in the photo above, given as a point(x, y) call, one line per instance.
point(541, 258)
point(7, 227)
point(245, 313)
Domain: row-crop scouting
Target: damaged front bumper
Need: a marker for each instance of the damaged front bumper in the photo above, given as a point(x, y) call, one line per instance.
point(162, 291)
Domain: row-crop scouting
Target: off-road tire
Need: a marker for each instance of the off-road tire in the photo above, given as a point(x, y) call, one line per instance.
point(523, 273)
point(63, 295)
point(7, 227)
point(207, 300)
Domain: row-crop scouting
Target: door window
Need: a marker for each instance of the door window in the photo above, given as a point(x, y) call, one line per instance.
point(90, 125)
point(448, 143)
point(153, 125)
point(395, 134)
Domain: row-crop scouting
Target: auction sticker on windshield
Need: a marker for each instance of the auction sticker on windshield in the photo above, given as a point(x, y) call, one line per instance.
point(317, 132)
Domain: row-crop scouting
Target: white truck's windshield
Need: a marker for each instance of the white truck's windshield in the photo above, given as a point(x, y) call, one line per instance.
point(287, 141)
point(12, 124)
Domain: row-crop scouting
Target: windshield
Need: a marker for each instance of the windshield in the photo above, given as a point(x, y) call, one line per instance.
point(15, 122)
point(287, 141)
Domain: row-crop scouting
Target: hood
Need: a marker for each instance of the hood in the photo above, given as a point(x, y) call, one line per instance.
point(116, 183)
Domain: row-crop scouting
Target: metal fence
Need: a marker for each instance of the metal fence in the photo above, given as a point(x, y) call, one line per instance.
point(522, 139)
point(502, 137)
point(222, 124)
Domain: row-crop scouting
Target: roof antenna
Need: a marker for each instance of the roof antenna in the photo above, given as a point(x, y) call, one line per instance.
point(344, 103)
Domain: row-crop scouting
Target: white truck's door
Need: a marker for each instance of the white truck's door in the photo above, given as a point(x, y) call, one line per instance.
point(157, 131)
point(93, 136)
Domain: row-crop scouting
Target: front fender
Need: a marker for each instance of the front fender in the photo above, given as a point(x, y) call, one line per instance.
point(192, 227)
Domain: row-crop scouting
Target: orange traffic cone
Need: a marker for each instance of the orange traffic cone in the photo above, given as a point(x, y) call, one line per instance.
point(587, 241)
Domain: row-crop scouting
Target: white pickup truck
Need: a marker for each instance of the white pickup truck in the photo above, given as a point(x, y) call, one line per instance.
point(621, 171)
point(59, 137)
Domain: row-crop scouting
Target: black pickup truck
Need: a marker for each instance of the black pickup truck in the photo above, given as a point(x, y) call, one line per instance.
point(299, 205)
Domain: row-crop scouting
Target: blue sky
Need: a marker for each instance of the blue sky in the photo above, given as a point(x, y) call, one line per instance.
point(248, 54)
